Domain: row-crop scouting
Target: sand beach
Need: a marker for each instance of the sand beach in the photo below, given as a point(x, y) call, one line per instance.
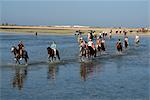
point(68, 30)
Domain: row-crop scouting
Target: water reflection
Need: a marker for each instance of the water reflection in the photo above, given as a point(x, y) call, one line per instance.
point(86, 69)
point(19, 77)
point(52, 71)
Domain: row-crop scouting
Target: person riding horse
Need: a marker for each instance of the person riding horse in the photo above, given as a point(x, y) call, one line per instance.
point(17, 55)
point(119, 45)
point(53, 46)
point(98, 44)
point(21, 48)
point(91, 47)
point(52, 51)
point(126, 43)
point(83, 48)
point(103, 44)
point(137, 39)
point(110, 34)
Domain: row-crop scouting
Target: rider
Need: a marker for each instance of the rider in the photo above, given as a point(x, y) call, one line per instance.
point(126, 41)
point(91, 44)
point(88, 36)
point(95, 35)
point(110, 34)
point(103, 34)
point(103, 44)
point(21, 48)
point(53, 46)
point(119, 42)
point(98, 43)
point(82, 44)
point(100, 35)
point(125, 32)
point(137, 38)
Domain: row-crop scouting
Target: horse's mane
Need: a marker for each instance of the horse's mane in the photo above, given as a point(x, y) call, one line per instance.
point(48, 48)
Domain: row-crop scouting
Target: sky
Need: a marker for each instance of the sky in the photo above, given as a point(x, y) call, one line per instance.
point(109, 13)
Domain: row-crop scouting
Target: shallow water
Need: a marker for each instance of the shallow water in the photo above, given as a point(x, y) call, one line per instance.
point(108, 77)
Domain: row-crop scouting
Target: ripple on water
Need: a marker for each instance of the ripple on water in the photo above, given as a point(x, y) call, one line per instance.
point(109, 76)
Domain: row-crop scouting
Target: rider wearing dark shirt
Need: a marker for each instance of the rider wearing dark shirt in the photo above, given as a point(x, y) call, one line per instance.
point(21, 47)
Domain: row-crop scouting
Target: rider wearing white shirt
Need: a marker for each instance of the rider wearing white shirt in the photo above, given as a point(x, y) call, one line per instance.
point(137, 37)
point(90, 42)
point(103, 44)
point(53, 46)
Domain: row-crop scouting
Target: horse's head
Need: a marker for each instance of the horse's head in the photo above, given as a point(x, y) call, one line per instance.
point(12, 48)
point(48, 48)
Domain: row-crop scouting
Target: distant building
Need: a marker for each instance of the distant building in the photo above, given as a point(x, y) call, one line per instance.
point(68, 26)
point(79, 26)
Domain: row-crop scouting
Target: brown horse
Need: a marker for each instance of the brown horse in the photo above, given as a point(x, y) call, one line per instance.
point(84, 52)
point(18, 56)
point(87, 52)
point(119, 47)
point(51, 54)
point(126, 44)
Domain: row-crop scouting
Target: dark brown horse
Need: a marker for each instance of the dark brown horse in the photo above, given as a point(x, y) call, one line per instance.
point(51, 54)
point(18, 56)
point(119, 47)
point(87, 52)
point(126, 44)
point(92, 52)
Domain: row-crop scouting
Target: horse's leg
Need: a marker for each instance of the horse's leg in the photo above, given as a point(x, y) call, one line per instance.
point(88, 53)
point(95, 53)
point(55, 58)
point(84, 54)
point(26, 60)
point(52, 58)
point(17, 61)
point(118, 49)
point(58, 55)
point(121, 48)
point(49, 57)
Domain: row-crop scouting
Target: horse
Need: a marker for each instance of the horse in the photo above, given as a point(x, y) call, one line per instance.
point(84, 53)
point(51, 54)
point(98, 49)
point(92, 52)
point(87, 52)
point(126, 44)
point(102, 46)
point(119, 47)
point(137, 41)
point(18, 56)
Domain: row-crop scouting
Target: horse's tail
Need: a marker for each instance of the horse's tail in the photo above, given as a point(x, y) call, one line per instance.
point(26, 54)
point(57, 53)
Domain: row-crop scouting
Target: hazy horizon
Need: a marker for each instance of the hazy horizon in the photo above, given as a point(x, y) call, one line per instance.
point(84, 13)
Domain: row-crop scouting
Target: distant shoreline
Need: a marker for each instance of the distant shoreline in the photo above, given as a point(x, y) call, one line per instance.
point(63, 30)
